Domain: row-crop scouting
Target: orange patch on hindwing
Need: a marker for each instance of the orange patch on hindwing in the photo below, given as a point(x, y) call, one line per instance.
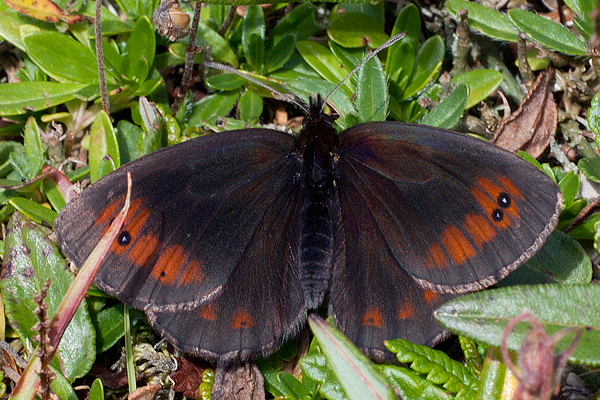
point(458, 247)
point(207, 311)
point(429, 295)
point(373, 317)
point(241, 319)
point(406, 311)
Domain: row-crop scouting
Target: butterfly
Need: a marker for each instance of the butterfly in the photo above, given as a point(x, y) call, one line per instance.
point(231, 238)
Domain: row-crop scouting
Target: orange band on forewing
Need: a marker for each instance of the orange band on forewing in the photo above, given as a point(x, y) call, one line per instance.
point(142, 251)
point(108, 214)
point(489, 205)
point(169, 264)
point(137, 217)
point(509, 187)
point(436, 258)
point(193, 273)
point(479, 228)
point(458, 247)
point(494, 191)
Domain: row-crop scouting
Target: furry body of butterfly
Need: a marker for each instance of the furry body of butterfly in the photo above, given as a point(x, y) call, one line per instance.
point(232, 237)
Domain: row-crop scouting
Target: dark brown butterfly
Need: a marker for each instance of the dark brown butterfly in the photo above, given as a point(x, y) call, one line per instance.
point(232, 237)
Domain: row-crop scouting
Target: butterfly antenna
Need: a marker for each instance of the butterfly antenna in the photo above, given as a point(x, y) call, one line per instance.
point(385, 45)
point(287, 97)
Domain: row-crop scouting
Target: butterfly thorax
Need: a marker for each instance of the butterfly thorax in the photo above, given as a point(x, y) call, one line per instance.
point(315, 144)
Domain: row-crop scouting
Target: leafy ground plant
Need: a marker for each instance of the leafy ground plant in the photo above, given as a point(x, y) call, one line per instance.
point(52, 117)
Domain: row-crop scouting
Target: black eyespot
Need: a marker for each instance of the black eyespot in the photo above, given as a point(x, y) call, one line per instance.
point(124, 238)
point(497, 215)
point(503, 200)
point(163, 274)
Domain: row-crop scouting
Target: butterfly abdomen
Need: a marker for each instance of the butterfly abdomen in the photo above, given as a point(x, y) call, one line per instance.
point(315, 251)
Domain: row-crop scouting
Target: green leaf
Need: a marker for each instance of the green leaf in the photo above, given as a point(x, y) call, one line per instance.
point(225, 81)
point(401, 56)
point(322, 60)
point(357, 375)
point(569, 184)
point(315, 366)
point(103, 147)
point(446, 114)
point(154, 134)
point(31, 259)
point(356, 30)
point(412, 386)
point(349, 57)
point(33, 210)
point(6, 149)
point(590, 168)
point(128, 137)
point(109, 327)
point(54, 194)
point(582, 8)
point(560, 260)
point(251, 106)
point(439, 368)
point(428, 63)
point(492, 376)
point(485, 20)
point(140, 50)
point(253, 36)
point(374, 10)
point(482, 316)
point(593, 117)
point(371, 92)
point(586, 230)
point(481, 83)
point(401, 69)
point(547, 33)
point(582, 18)
point(212, 107)
point(12, 21)
point(409, 22)
point(97, 390)
point(19, 98)
point(62, 57)
point(61, 386)
point(281, 53)
point(300, 23)
point(34, 149)
point(219, 47)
